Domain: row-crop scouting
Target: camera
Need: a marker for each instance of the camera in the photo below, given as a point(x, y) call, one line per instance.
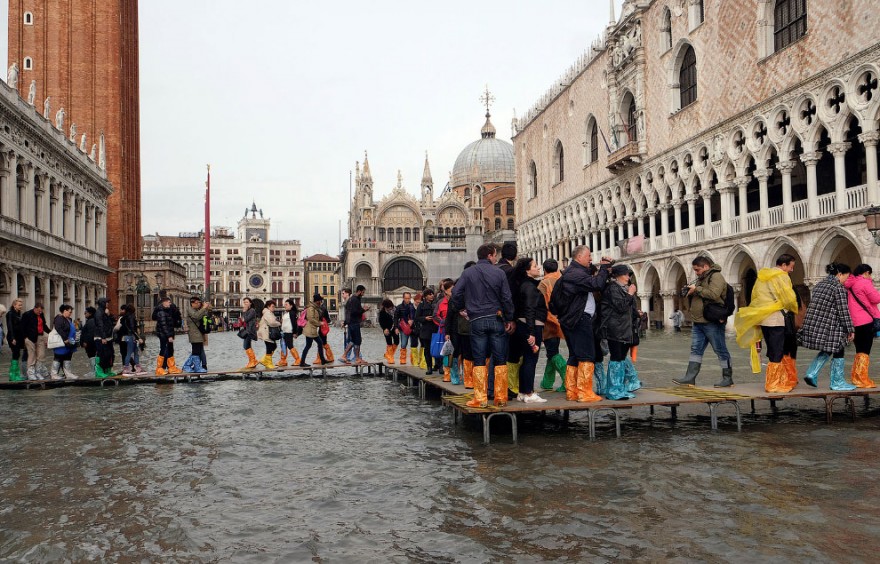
point(684, 291)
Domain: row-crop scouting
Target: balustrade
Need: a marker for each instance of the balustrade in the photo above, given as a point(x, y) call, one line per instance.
point(699, 233)
point(775, 215)
point(800, 210)
point(716, 229)
point(857, 197)
point(827, 204)
point(734, 225)
point(753, 221)
point(62, 246)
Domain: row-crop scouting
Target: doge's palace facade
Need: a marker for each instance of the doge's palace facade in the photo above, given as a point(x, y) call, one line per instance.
point(736, 130)
point(53, 211)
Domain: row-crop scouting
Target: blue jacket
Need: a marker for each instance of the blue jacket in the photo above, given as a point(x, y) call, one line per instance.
point(483, 291)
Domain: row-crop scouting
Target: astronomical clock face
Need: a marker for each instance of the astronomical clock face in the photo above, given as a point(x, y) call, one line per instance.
point(256, 281)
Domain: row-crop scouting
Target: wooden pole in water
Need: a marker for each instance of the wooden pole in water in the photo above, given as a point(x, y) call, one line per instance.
point(208, 238)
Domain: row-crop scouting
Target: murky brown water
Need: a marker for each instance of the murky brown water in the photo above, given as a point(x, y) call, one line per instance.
point(359, 470)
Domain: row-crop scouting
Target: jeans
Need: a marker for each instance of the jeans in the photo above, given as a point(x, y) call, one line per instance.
point(581, 341)
point(131, 351)
point(488, 339)
point(404, 340)
point(530, 359)
point(391, 338)
point(705, 334)
point(354, 334)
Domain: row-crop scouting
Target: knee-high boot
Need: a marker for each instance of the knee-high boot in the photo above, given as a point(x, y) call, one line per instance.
point(389, 351)
point(513, 376)
point(481, 378)
point(549, 376)
point(791, 372)
point(282, 362)
point(560, 364)
point(422, 363)
point(571, 383)
point(585, 391)
point(414, 356)
point(501, 385)
point(402, 359)
point(838, 382)
point(15, 372)
point(328, 354)
point(631, 376)
point(252, 360)
point(468, 373)
point(295, 354)
point(160, 370)
point(393, 353)
point(600, 378)
point(616, 388)
point(812, 376)
point(455, 371)
point(776, 380)
point(860, 372)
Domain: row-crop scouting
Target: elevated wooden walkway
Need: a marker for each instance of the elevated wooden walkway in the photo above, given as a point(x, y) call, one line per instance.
point(457, 396)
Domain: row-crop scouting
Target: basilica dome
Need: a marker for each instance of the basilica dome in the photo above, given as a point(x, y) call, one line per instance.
point(486, 160)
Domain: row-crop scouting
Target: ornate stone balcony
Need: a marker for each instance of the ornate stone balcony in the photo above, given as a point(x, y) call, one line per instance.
point(29, 235)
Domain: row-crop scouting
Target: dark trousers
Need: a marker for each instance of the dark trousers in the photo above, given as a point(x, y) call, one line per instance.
point(392, 338)
point(270, 347)
point(618, 350)
point(464, 343)
point(581, 341)
point(530, 358)
point(774, 338)
point(864, 338)
point(320, 342)
point(790, 346)
point(105, 354)
point(198, 349)
point(17, 351)
point(551, 345)
point(426, 346)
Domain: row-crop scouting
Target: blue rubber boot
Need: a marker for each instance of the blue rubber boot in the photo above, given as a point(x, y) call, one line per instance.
point(455, 372)
point(616, 390)
point(631, 376)
point(188, 365)
point(195, 365)
point(600, 379)
point(838, 382)
point(816, 366)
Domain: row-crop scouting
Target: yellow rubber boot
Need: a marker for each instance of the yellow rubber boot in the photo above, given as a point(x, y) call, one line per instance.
point(267, 362)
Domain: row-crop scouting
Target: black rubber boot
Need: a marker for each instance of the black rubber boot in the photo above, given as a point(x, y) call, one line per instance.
point(690, 377)
point(726, 378)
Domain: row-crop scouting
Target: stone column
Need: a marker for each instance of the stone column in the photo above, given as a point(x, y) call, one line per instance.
point(839, 151)
point(706, 193)
point(726, 191)
point(603, 239)
point(640, 223)
point(620, 234)
point(785, 167)
point(652, 227)
point(664, 223)
point(79, 220)
point(810, 160)
point(31, 287)
point(630, 232)
point(41, 187)
point(668, 306)
point(691, 200)
point(741, 183)
point(762, 174)
point(21, 197)
point(13, 287)
point(676, 204)
point(645, 300)
point(8, 187)
point(869, 139)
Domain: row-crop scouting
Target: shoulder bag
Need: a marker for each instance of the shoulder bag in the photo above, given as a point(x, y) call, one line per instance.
point(55, 340)
point(876, 327)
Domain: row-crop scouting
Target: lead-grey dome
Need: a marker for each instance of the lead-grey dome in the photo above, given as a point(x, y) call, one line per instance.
point(485, 160)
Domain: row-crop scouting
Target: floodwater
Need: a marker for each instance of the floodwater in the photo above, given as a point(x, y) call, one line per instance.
point(358, 469)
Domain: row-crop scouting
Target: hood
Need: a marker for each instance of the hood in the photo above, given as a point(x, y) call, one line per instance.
point(102, 302)
point(767, 274)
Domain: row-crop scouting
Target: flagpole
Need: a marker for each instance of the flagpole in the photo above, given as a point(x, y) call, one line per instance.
point(208, 237)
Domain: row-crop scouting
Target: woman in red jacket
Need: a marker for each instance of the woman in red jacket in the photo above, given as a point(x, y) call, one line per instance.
point(862, 300)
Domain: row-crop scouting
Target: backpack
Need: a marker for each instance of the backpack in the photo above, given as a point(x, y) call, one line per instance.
point(301, 320)
point(719, 313)
point(557, 302)
point(207, 325)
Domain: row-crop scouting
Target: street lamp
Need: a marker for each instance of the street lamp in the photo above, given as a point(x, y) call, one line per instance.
point(142, 288)
point(872, 218)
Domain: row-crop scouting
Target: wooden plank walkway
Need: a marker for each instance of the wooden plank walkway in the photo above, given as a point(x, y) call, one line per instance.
point(457, 396)
point(285, 373)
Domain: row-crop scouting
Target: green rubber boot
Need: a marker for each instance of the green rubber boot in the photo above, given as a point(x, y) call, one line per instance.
point(549, 376)
point(559, 363)
point(15, 372)
point(99, 371)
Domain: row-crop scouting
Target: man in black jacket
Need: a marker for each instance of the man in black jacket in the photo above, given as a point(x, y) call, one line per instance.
point(166, 316)
point(104, 338)
point(483, 292)
point(354, 312)
point(36, 338)
point(578, 307)
point(405, 312)
point(15, 338)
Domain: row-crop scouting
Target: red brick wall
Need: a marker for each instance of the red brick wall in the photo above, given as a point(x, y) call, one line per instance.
point(85, 57)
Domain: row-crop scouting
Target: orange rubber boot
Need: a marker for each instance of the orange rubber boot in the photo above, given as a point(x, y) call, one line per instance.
point(159, 370)
point(571, 383)
point(252, 360)
point(860, 372)
point(447, 374)
point(791, 372)
point(283, 361)
point(501, 385)
point(585, 383)
point(328, 354)
point(468, 374)
point(776, 380)
point(172, 367)
point(295, 354)
point(402, 359)
point(481, 374)
point(389, 354)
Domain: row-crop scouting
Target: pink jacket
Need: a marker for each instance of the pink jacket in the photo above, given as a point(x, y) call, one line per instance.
point(868, 294)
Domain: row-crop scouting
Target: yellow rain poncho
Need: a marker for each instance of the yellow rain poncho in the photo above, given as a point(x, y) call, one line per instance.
point(772, 293)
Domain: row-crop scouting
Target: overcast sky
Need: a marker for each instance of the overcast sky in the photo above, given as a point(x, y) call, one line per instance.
point(283, 97)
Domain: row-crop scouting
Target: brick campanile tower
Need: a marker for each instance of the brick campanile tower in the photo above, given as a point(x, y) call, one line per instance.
point(84, 56)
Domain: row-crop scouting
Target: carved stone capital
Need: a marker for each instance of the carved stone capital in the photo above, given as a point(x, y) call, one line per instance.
point(785, 167)
point(810, 159)
point(870, 138)
point(839, 149)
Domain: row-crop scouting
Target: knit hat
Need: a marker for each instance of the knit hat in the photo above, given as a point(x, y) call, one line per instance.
point(317, 298)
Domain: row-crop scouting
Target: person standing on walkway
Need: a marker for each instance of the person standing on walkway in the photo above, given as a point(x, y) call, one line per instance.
point(483, 294)
point(416, 354)
point(194, 327)
point(163, 315)
point(129, 329)
point(764, 318)
point(15, 339)
point(828, 327)
point(862, 299)
point(427, 328)
point(343, 324)
point(312, 331)
point(576, 311)
point(404, 317)
point(619, 325)
point(63, 325)
point(87, 341)
point(552, 335)
point(530, 313)
point(248, 331)
point(355, 311)
point(265, 333)
point(386, 323)
point(104, 339)
point(677, 318)
point(36, 336)
point(290, 330)
point(710, 287)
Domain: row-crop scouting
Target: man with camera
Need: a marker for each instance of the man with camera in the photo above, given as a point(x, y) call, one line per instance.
point(709, 288)
point(575, 307)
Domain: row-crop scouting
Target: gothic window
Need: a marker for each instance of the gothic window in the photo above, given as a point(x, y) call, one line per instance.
point(510, 210)
point(687, 77)
point(510, 224)
point(407, 234)
point(594, 142)
point(559, 162)
point(415, 234)
point(632, 130)
point(497, 208)
point(399, 234)
point(467, 193)
point(789, 22)
point(666, 30)
point(497, 223)
point(533, 180)
point(696, 13)
point(381, 234)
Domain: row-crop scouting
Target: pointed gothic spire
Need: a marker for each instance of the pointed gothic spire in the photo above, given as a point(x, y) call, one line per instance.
point(611, 5)
point(426, 175)
point(367, 176)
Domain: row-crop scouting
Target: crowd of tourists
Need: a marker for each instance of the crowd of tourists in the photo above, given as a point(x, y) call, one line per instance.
point(486, 329)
